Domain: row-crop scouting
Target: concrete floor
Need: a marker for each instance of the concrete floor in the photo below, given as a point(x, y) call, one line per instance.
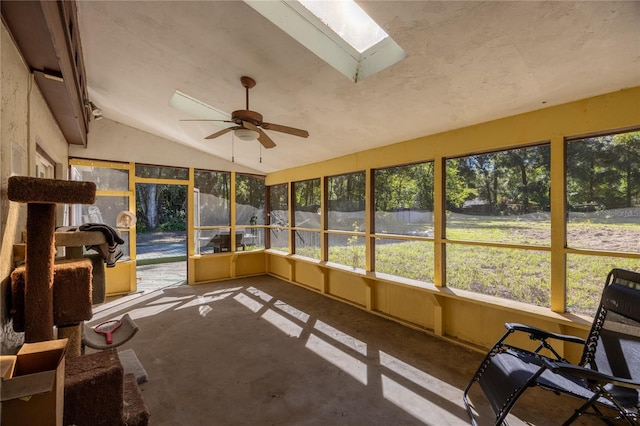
point(260, 351)
point(156, 276)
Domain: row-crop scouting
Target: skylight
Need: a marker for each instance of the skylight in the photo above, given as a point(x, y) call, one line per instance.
point(349, 21)
point(337, 31)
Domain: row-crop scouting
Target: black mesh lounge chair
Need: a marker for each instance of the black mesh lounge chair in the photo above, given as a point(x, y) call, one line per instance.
point(607, 379)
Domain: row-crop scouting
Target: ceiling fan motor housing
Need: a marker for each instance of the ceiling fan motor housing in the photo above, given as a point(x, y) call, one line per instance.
point(246, 115)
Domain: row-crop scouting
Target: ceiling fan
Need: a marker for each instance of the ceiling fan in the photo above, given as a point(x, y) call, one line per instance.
point(248, 123)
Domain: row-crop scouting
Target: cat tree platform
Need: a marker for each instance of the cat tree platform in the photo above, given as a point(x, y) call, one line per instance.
point(98, 392)
point(71, 293)
point(41, 196)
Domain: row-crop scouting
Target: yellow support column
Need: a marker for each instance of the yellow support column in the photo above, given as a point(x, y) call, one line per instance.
point(131, 168)
point(439, 259)
point(232, 203)
point(438, 316)
point(324, 284)
point(558, 226)
point(232, 265)
point(368, 222)
point(191, 273)
point(324, 250)
point(291, 234)
point(369, 302)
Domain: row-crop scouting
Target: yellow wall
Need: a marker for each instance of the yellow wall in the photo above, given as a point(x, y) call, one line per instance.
point(121, 279)
point(225, 265)
point(463, 316)
point(613, 111)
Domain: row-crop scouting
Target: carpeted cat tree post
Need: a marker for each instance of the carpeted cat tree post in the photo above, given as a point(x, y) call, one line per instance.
point(41, 196)
point(96, 390)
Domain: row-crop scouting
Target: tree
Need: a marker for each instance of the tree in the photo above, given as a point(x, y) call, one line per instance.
point(625, 157)
point(582, 157)
point(250, 190)
point(307, 194)
point(604, 170)
point(457, 190)
point(347, 192)
point(486, 174)
point(148, 204)
point(529, 169)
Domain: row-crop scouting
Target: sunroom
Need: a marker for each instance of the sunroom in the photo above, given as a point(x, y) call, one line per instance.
point(488, 173)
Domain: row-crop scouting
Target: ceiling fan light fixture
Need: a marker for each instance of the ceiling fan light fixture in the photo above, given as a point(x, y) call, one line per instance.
point(246, 134)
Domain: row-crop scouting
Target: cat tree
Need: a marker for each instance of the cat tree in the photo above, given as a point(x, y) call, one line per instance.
point(97, 391)
point(41, 196)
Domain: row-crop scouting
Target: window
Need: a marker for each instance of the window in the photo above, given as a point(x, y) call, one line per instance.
point(603, 193)
point(250, 211)
point(306, 208)
point(338, 32)
point(346, 197)
point(406, 258)
point(515, 274)
point(105, 178)
point(585, 279)
point(500, 198)
point(404, 200)
point(349, 21)
point(279, 217)
point(345, 202)
point(603, 213)
point(161, 172)
point(112, 196)
point(404, 206)
point(44, 165)
point(212, 205)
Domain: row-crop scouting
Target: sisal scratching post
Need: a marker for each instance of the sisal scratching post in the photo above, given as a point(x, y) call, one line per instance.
point(72, 332)
point(38, 299)
point(41, 196)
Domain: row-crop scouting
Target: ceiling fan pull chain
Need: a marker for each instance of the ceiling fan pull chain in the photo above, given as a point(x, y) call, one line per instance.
point(260, 145)
point(233, 148)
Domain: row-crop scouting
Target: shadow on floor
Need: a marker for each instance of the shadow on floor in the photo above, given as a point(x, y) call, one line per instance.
point(260, 351)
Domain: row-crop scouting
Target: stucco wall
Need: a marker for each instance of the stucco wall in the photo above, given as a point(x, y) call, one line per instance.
point(25, 121)
point(112, 141)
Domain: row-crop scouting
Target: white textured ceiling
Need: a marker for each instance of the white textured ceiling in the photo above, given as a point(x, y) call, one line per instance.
point(468, 62)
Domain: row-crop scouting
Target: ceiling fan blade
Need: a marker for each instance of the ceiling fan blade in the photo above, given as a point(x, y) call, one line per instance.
point(217, 123)
point(265, 140)
point(250, 126)
point(285, 129)
point(221, 132)
point(202, 119)
point(195, 108)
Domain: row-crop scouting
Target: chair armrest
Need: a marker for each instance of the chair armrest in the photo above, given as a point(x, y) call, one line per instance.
point(589, 374)
point(539, 334)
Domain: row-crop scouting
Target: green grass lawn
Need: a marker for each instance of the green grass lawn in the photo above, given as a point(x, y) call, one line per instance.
point(517, 274)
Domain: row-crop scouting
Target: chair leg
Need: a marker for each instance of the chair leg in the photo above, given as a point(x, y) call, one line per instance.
point(582, 409)
point(591, 403)
point(467, 404)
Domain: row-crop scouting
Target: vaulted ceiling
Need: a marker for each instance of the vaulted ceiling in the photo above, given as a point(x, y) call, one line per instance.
point(467, 62)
